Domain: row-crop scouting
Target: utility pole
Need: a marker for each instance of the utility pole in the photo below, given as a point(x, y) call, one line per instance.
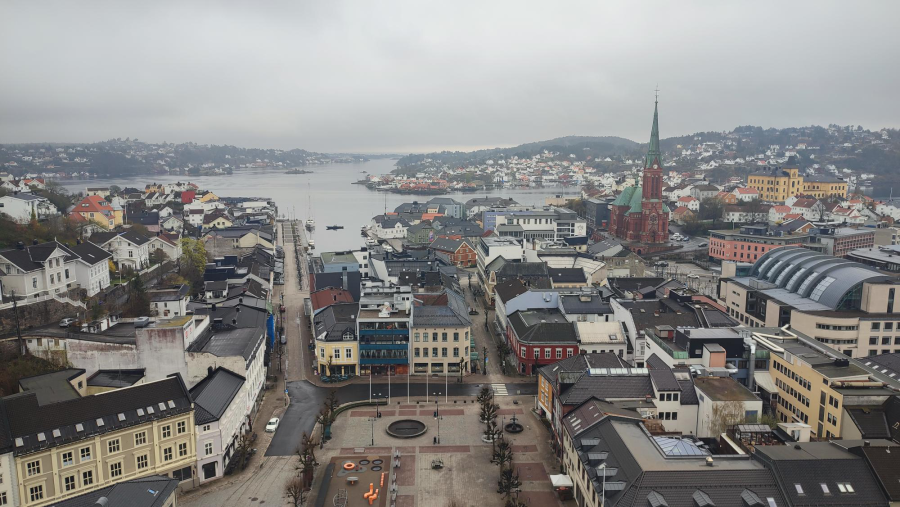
point(22, 349)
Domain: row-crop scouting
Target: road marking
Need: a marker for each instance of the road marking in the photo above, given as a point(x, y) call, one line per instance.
point(500, 389)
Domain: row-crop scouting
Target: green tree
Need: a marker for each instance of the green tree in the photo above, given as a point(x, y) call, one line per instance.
point(138, 299)
point(158, 256)
point(192, 264)
point(711, 208)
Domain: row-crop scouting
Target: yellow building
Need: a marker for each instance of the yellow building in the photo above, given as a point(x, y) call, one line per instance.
point(813, 387)
point(779, 183)
point(337, 346)
point(209, 196)
point(440, 338)
point(67, 448)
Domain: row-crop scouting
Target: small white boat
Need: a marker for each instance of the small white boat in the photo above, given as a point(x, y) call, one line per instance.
point(312, 243)
point(310, 224)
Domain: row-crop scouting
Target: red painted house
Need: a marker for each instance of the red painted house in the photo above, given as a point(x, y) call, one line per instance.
point(540, 337)
point(329, 296)
point(187, 196)
point(460, 252)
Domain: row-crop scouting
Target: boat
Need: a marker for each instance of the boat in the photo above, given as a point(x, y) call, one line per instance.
point(334, 227)
point(371, 242)
point(310, 224)
point(312, 243)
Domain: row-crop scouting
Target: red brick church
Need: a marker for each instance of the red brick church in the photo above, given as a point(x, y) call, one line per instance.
point(639, 216)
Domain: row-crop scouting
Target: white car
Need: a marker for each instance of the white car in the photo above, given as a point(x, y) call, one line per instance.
point(272, 425)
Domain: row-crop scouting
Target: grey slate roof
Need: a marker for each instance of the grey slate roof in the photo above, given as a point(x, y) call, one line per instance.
point(215, 393)
point(231, 341)
point(115, 378)
point(446, 245)
point(508, 289)
point(52, 387)
point(542, 326)
point(889, 362)
point(817, 463)
point(572, 305)
point(32, 256)
point(607, 387)
point(90, 253)
point(567, 275)
point(438, 316)
point(337, 319)
point(662, 375)
point(27, 418)
point(150, 491)
point(580, 363)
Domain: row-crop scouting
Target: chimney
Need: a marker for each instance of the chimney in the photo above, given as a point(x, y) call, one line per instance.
point(867, 443)
point(102, 501)
point(217, 323)
point(20, 245)
point(233, 322)
point(209, 370)
point(34, 241)
point(213, 308)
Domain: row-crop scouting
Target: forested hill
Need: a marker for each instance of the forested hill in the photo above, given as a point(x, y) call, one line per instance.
point(584, 146)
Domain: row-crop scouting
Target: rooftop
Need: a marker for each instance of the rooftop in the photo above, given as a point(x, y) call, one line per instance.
point(723, 389)
point(52, 387)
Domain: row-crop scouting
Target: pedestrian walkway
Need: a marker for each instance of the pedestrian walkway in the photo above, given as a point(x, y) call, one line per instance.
point(500, 389)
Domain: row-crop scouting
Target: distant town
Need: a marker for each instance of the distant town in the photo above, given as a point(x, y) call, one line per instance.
point(680, 325)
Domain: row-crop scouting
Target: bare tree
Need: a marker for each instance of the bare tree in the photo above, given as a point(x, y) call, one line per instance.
point(724, 415)
point(296, 491)
point(508, 484)
point(503, 455)
point(306, 459)
point(243, 448)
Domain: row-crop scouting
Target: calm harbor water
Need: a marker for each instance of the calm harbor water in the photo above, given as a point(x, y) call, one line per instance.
point(327, 194)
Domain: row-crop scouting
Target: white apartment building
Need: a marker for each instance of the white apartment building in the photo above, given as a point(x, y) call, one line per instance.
point(221, 416)
point(128, 249)
point(23, 206)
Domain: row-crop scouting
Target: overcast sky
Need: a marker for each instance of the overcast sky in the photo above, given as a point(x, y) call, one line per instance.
point(417, 76)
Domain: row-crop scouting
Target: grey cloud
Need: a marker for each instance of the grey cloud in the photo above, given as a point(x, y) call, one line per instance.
point(415, 76)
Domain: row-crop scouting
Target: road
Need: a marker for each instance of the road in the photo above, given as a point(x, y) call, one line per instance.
point(265, 484)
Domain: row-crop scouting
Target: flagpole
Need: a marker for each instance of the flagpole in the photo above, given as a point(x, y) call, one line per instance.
point(446, 390)
point(370, 384)
point(389, 385)
point(408, 373)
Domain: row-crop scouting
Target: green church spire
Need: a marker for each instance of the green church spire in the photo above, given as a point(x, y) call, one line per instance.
point(653, 153)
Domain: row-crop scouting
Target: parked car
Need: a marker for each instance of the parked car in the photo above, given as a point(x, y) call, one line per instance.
point(703, 245)
point(66, 322)
point(272, 425)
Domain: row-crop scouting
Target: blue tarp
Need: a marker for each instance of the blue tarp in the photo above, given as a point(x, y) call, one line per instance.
point(270, 327)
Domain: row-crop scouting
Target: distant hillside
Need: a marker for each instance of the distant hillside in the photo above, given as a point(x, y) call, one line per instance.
point(581, 146)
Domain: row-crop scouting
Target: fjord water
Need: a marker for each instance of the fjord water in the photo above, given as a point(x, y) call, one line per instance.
point(335, 200)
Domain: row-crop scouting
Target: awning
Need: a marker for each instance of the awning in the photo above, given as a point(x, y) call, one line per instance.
point(561, 481)
point(764, 381)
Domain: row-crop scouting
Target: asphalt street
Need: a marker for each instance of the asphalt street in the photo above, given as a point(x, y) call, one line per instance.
point(306, 400)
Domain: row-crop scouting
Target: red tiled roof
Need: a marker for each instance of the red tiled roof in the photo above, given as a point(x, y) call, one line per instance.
point(329, 296)
point(94, 203)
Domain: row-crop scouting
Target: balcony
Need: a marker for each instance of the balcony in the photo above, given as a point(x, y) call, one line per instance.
point(675, 354)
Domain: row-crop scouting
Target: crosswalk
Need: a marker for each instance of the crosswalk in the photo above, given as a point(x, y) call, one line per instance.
point(499, 389)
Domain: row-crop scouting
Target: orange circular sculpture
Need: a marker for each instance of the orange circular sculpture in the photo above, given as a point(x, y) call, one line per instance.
point(349, 466)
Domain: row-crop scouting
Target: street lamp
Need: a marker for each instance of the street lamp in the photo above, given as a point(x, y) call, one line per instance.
point(372, 419)
point(437, 415)
point(377, 403)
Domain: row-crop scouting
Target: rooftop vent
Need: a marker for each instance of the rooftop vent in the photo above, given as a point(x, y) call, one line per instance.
point(162, 406)
point(121, 416)
point(79, 427)
point(19, 442)
point(100, 422)
point(149, 410)
point(57, 433)
point(171, 404)
point(42, 437)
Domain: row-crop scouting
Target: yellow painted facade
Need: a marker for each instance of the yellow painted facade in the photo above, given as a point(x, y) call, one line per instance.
point(209, 196)
point(344, 357)
point(545, 396)
point(155, 448)
point(789, 182)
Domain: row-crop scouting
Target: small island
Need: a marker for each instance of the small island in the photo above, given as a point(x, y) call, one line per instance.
point(298, 171)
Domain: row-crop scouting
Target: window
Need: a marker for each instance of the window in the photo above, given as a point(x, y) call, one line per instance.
point(182, 449)
point(416, 352)
point(348, 353)
point(876, 326)
point(34, 286)
point(166, 431)
point(443, 337)
point(140, 438)
point(569, 353)
point(36, 493)
point(455, 351)
point(559, 353)
point(444, 352)
point(547, 353)
point(67, 459)
point(456, 337)
point(434, 351)
point(85, 454)
point(522, 352)
point(69, 483)
point(33, 468)
point(424, 337)
point(207, 427)
point(167, 454)
point(142, 462)
point(67, 274)
point(322, 353)
point(3, 500)
point(873, 340)
point(416, 336)
point(113, 446)
point(115, 469)
point(845, 487)
point(207, 448)
point(825, 489)
point(799, 488)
